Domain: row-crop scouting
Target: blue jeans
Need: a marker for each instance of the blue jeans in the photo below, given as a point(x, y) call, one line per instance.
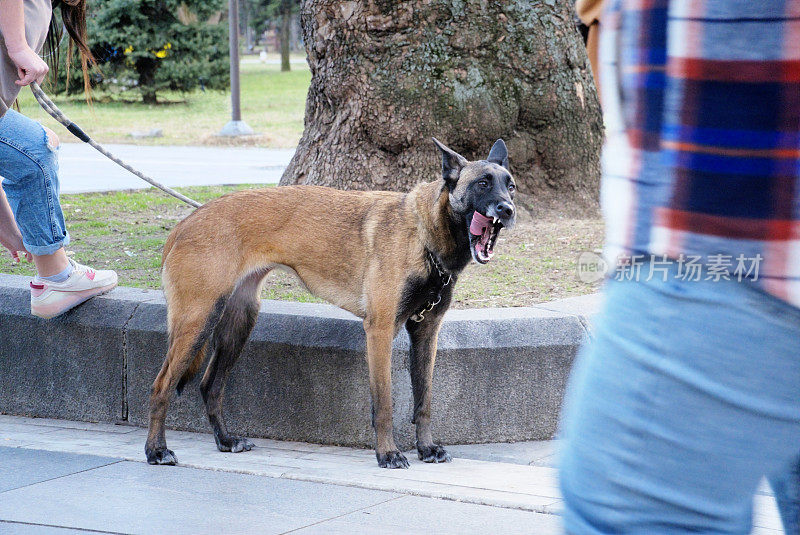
point(29, 167)
point(786, 485)
point(688, 395)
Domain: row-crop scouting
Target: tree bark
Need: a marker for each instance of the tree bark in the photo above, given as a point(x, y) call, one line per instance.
point(286, 33)
point(388, 75)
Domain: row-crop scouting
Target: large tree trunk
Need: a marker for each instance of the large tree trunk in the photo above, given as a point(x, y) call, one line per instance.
point(146, 69)
point(388, 75)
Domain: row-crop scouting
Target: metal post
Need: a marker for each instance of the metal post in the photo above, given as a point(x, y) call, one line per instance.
point(235, 127)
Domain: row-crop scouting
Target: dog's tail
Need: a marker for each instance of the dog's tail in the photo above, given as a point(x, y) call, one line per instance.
point(201, 346)
point(194, 367)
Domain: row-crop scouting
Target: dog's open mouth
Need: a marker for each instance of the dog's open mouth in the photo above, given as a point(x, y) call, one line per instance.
point(484, 232)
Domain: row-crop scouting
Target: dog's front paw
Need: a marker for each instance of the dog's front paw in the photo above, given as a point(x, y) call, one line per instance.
point(161, 456)
point(234, 444)
point(433, 454)
point(392, 459)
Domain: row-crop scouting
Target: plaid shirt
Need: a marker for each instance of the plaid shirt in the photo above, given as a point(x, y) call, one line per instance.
point(702, 156)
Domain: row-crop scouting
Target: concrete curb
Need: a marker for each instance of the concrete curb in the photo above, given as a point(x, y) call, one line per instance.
point(500, 373)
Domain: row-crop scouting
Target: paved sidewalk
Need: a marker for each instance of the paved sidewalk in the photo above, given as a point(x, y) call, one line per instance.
point(56, 474)
point(83, 169)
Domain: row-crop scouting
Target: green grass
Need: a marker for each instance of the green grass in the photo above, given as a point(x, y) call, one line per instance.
point(125, 231)
point(273, 104)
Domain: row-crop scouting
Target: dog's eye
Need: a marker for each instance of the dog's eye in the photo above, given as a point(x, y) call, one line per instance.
point(483, 183)
point(511, 187)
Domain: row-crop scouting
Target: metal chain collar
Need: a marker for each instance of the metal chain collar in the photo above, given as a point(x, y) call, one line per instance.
point(445, 276)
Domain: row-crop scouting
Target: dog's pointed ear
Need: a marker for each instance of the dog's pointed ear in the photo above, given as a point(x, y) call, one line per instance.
point(452, 163)
point(499, 153)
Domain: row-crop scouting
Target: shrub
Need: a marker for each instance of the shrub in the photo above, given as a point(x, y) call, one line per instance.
point(153, 45)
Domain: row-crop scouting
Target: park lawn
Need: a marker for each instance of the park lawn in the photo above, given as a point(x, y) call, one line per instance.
point(535, 262)
point(273, 104)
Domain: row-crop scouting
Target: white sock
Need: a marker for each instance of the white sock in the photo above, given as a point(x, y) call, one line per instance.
point(58, 277)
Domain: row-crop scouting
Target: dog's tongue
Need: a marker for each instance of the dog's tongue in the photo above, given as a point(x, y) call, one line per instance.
point(481, 226)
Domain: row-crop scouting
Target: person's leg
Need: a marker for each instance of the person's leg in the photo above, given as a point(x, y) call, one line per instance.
point(686, 397)
point(786, 486)
point(29, 167)
point(56, 263)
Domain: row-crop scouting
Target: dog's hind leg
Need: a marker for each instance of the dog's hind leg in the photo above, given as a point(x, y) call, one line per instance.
point(229, 338)
point(190, 329)
point(423, 337)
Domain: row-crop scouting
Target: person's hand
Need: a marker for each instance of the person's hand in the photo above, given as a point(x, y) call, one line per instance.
point(14, 245)
point(30, 67)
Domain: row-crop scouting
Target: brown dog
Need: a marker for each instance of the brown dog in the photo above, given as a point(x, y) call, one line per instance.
point(389, 258)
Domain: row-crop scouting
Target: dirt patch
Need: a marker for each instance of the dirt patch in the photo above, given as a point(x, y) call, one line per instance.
point(253, 140)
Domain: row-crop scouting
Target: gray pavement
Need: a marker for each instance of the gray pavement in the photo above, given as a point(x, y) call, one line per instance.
point(130, 497)
point(60, 477)
point(83, 169)
point(272, 60)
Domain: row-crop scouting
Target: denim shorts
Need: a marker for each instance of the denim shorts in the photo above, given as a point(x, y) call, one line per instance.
point(688, 395)
point(29, 168)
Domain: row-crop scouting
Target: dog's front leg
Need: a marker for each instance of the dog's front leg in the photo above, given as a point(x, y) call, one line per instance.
point(423, 337)
point(379, 361)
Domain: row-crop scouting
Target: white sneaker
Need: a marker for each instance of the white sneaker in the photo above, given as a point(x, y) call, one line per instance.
point(50, 299)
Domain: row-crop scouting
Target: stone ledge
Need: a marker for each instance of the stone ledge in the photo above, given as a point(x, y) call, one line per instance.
point(500, 373)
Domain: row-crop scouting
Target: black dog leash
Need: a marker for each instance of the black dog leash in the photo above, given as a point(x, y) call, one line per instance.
point(48, 106)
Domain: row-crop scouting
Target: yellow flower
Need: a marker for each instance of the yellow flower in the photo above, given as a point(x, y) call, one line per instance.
point(129, 49)
point(161, 54)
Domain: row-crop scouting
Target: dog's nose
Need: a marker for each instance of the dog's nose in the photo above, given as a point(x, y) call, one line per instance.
point(504, 210)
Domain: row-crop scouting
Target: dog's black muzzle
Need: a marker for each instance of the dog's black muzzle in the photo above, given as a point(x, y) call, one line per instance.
point(505, 212)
